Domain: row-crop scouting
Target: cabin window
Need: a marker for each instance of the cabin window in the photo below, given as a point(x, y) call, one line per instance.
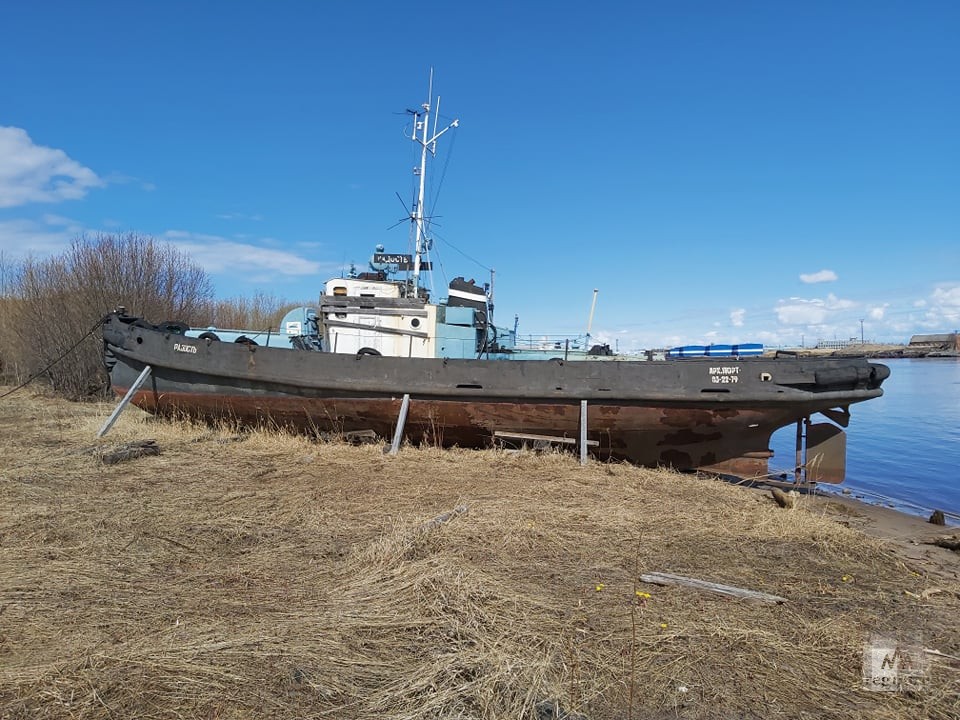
point(339, 290)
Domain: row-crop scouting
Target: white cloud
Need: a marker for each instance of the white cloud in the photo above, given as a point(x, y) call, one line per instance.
point(220, 255)
point(797, 311)
point(737, 316)
point(21, 237)
point(834, 303)
point(53, 234)
point(795, 320)
point(945, 304)
point(947, 295)
point(828, 317)
point(32, 173)
point(818, 277)
point(240, 216)
point(73, 226)
point(118, 178)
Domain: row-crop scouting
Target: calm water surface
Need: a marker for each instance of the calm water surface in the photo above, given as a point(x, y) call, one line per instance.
point(905, 445)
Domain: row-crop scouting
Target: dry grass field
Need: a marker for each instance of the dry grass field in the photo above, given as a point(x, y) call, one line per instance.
point(264, 575)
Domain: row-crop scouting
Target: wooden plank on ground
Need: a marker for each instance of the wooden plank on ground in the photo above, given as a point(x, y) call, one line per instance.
point(130, 451)
point(670, 579)
point(559, 439)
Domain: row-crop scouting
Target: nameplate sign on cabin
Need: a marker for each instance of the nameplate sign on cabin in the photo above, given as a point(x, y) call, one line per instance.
point(402, 261)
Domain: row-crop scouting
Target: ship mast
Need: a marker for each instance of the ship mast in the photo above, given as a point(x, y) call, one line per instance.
point(428, 145)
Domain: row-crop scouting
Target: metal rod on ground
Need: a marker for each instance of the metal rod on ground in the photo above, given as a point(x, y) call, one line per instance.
point(401, 422)
point(583, 432)
point(141, 378)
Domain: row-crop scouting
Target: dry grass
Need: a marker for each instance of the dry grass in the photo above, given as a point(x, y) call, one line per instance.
point(274, 576)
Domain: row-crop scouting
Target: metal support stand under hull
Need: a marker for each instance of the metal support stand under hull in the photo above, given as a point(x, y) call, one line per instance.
point(141, 379)
point(821, 453)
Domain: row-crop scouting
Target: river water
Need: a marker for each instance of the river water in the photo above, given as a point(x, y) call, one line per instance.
point(904, 446)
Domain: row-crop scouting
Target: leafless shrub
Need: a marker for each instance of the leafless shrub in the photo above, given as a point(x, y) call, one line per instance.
point(261, 312)
point(51, 304)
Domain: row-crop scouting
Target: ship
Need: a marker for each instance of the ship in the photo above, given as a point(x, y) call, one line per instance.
point(378, 354)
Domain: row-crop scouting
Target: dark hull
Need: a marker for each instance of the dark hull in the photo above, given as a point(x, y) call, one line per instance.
point(711, 413)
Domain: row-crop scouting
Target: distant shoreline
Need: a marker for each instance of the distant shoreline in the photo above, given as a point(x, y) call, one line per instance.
point(872, 351)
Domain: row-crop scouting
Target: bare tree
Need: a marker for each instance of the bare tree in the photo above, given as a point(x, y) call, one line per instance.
point(53, 303)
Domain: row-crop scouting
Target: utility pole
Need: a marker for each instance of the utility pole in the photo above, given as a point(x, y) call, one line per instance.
point(861, 331)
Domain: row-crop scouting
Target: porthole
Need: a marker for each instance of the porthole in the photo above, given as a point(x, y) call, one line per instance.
point(415, 322)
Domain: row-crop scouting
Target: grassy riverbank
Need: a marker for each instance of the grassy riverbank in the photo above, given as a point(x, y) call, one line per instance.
point(266, 575)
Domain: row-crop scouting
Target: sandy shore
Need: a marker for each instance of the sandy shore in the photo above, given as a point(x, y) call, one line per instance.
point(912, 536)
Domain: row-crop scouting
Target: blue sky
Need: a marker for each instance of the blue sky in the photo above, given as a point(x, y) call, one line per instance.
point(720, 171)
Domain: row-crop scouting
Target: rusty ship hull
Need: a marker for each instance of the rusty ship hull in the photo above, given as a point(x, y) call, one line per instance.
point(704, 413)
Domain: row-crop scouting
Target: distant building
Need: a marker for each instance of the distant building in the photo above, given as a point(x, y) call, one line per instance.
point(831, 344)
point(943, 341)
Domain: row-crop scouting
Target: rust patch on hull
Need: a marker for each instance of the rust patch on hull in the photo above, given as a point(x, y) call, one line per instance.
point(720, 440)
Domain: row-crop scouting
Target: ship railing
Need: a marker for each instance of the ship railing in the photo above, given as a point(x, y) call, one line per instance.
point(552, 342)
